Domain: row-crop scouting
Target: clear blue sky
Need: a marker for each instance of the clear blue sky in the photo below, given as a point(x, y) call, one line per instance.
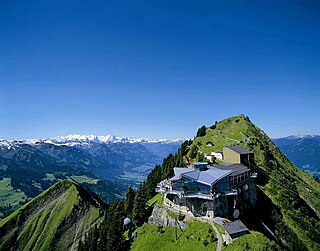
point(157, 68)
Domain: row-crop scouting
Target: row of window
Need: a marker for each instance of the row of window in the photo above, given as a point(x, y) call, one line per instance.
point(241, 177)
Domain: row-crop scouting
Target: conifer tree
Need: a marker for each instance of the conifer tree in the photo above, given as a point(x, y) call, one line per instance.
point(201, 131)
point(140, 206)
point(130, 195)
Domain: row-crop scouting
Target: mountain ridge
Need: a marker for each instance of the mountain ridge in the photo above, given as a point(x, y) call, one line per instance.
point(287, 198)
point(76, 139)
point(57, 218)
point(303, 151)
point(27, 168)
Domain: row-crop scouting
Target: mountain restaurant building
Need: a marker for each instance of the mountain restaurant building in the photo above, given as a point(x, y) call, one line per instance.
point(224, 190)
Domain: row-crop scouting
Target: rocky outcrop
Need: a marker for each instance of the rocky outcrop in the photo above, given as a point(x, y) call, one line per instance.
point(160, 217)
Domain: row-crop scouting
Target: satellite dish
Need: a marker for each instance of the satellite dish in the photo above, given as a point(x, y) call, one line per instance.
point(245, 187)
point(126, 221)
point(245, 195)
point(236, 213)
point(239, 190)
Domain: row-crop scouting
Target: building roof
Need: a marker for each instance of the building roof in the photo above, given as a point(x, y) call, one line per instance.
point(208, 177)
point(239, 149)
point(235, 227)
point(180, 170)
point(236, 168)
point(200, 163)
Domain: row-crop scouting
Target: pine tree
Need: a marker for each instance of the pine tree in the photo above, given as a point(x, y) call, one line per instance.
point(130, 195)
point(183, 150)
point(115, 230)
point(153, 178)
point(140, 206)
point(201, 131)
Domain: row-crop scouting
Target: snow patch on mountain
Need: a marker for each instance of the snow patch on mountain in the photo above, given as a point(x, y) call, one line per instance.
point(80, 139)
point(299, 136)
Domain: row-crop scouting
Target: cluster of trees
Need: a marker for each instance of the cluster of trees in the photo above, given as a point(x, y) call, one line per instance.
point(164, 171)
point(109, 235)
point(214, 126)
point(201, 131)
point(185, 147)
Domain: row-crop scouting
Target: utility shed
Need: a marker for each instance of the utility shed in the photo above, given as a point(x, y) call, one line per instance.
point(238, 154)
point(235, 229)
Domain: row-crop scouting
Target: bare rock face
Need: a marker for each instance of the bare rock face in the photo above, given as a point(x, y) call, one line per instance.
point(160, 217)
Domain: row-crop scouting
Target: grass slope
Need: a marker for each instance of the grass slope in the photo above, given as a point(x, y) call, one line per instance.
point(294, 195)
point(56, 219)
point(84, 179)
point(198, 236)
point(254, 241)
point(156, 200)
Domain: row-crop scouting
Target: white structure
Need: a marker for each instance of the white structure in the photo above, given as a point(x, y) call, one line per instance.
point(216, 155)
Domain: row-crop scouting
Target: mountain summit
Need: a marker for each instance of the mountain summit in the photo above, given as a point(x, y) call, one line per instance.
point(288, 204)
point(288, 198)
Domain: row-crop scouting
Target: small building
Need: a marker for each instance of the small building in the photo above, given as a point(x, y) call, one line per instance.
point(209, 143)
point(214, 155)
point(238, 154)
point(217, 154)
point(234, 230)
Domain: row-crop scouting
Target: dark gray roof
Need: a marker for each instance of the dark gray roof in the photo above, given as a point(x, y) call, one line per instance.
point(236, 168)
point(239, 149)
point(235, 227)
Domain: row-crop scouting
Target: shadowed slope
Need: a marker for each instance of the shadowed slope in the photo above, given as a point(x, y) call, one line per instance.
point(56, 219)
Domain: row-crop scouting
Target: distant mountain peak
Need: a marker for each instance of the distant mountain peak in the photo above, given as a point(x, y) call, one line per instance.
point(77, 139)
point(299, 136)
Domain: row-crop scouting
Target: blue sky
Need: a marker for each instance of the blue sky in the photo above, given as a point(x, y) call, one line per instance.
point(157, 68)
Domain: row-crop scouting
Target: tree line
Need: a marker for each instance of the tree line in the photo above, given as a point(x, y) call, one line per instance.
point(110, 234)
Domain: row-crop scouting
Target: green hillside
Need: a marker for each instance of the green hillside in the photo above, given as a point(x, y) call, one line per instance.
point(198, 236)
point(10, 198)
point(288, 195)
point(56, 219)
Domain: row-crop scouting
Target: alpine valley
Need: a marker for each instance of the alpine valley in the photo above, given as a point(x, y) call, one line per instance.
point(70, 216)
point(303, 151)
point(105, 164)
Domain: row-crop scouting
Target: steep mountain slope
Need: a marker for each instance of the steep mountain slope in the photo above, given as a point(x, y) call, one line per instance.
point(25, 171)
point(29, 167)
point(57, 219)
point(288, 198)
point(303, 151)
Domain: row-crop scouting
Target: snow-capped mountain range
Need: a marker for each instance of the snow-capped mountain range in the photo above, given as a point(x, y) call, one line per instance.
point(34, 165)
point(80, 139)
point(299, 136)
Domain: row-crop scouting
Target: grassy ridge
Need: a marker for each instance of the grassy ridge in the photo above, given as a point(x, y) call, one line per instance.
point(56, 219)
point(294, 193)
point(84, 179)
